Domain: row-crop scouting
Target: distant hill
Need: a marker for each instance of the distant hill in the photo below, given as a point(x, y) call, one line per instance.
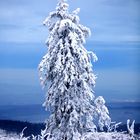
point(35, 128)
point(119, 112)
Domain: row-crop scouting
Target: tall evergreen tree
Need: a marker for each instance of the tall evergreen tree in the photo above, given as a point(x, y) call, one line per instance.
point(66, 70)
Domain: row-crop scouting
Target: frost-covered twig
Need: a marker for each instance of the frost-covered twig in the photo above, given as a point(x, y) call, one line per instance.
point(130, 128)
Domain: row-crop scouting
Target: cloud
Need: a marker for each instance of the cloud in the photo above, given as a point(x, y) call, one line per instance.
point(22, 21)
point(21, 55)
point(109, 20)
point(8, 26)
point(20, 86)
point(117, 20)
point(112, 21)
point(118, 84)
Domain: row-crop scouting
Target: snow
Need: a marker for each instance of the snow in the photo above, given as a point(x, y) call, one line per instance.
point(130, 127)
point(11, 136)
point(67, 67)
point(87, 136)
point(67, 71)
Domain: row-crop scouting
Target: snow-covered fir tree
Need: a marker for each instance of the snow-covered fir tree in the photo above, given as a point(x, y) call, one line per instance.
point(67, 71)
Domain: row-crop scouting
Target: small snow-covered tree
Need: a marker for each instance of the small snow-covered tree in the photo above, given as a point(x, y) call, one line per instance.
point(66, 70)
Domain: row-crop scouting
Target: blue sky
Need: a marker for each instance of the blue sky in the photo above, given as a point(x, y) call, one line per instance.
point(115, 39)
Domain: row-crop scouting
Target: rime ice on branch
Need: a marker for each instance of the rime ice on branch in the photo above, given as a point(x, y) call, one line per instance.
point(67, 71)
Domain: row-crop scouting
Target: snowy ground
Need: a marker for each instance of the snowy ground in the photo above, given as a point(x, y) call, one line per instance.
point(89, 136)
point(11, 136)
point(5, 136)
point(110, 136)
